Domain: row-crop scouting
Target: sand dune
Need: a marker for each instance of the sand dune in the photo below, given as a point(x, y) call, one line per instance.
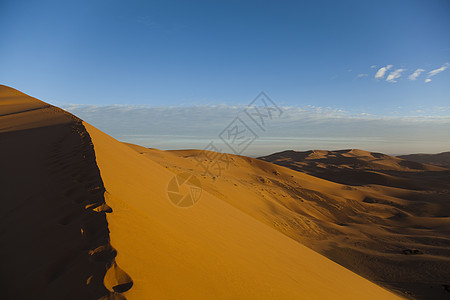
point(87, 217)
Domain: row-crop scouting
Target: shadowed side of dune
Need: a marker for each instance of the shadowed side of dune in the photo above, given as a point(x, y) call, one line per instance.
point(53, 228)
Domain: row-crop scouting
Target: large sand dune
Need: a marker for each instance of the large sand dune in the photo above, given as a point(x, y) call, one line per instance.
point(85, 216)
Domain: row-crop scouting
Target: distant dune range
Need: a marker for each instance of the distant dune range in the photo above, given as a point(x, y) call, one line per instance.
point(84, 216)
point(440, 159)
point(398, 235)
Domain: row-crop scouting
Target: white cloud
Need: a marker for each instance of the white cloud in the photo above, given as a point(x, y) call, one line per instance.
point(439, 70)
point(416, 74)
point(394, 75)
point(382, 71)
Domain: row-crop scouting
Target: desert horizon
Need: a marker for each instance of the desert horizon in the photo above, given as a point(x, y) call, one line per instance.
point(229, 150)
point(193, 127)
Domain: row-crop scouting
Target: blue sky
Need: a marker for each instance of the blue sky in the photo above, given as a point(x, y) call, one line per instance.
point(180, 53)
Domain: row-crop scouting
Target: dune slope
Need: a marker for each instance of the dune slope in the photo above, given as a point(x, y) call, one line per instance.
point(393, 236)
